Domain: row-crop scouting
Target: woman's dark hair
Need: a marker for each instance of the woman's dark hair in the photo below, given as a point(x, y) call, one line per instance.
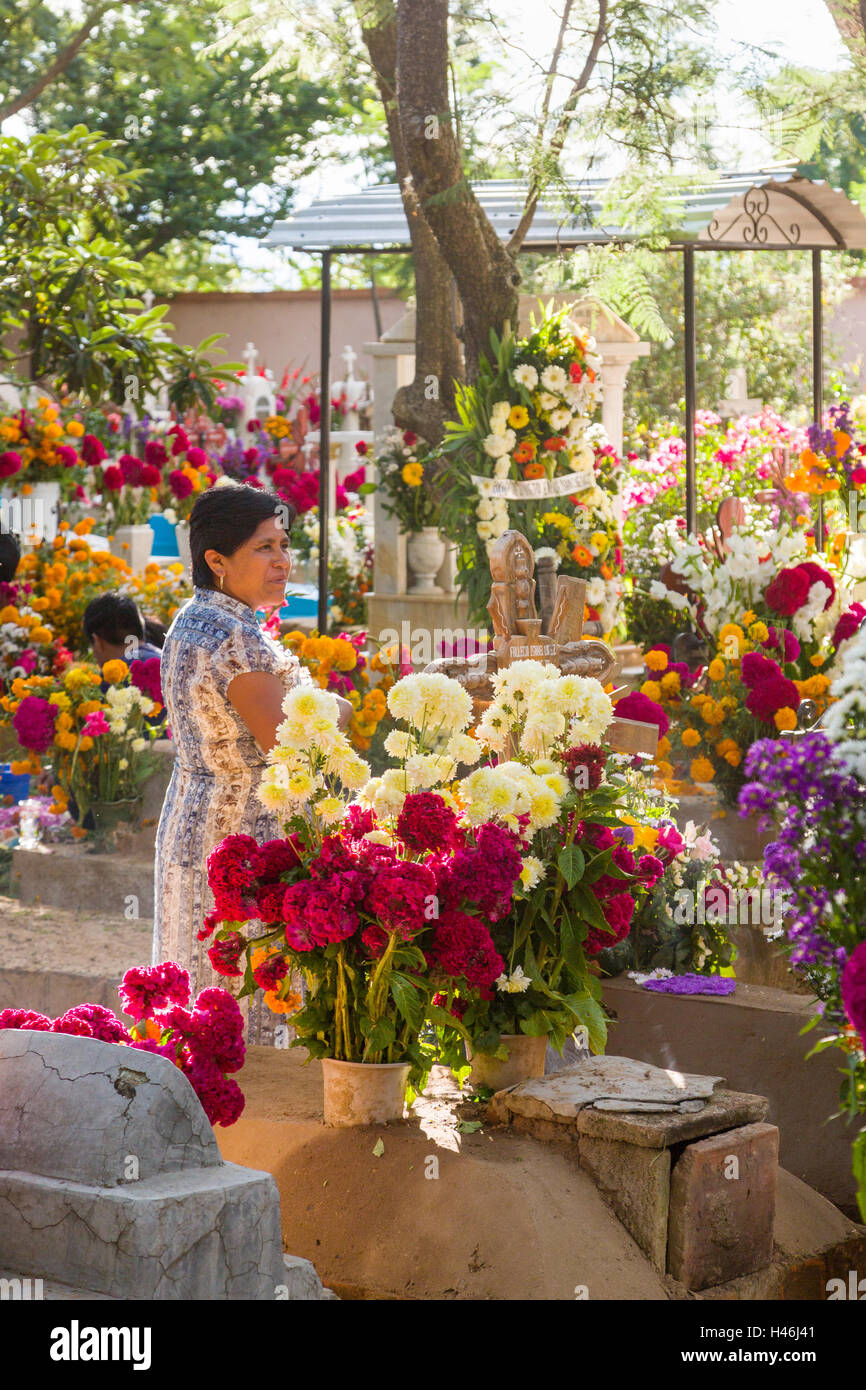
point(225, 518)
point(155, 632)
point(10, 554)
point(113, 617)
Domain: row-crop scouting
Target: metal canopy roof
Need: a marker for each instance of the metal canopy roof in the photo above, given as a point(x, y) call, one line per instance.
point(770, 209)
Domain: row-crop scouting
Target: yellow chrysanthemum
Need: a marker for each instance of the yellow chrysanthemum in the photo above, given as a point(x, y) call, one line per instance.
point(758, 632)
point(671, 683)
point(518, 417)
point(412, 474)
point(716, 669)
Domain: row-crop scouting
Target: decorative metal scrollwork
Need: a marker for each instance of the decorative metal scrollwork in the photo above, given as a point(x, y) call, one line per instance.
point(757, 223)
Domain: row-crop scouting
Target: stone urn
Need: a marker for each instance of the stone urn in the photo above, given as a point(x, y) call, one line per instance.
point(133, 544)
point(526, 1057)
point(363, 1093)
point(425, 551)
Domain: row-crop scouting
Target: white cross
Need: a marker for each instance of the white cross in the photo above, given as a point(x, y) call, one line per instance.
point(148, 298)
point(250, 355)
point(350, 357)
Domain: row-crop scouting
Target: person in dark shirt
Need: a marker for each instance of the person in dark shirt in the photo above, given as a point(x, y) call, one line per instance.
point(10, 554)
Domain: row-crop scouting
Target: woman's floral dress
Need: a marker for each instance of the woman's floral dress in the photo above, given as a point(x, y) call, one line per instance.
point(217, 770)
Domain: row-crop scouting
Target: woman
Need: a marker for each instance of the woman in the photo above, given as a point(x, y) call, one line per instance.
point(224, 682)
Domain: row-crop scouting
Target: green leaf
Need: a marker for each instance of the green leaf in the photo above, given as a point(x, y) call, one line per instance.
point(407, 997)
point(441, 1018)
point(378, 1149)
point(571, 864)
point(468, 1126)
point(381, 1035)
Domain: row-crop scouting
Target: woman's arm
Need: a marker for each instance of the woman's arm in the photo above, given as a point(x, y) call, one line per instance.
point(257, 696)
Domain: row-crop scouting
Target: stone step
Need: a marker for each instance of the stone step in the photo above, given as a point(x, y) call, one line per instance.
point(69, 876)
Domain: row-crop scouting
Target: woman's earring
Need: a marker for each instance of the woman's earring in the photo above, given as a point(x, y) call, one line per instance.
point(221, 583)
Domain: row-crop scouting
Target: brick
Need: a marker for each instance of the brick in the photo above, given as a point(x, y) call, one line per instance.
point(805, 1282)
point(722, 1226)
point(635, 1182)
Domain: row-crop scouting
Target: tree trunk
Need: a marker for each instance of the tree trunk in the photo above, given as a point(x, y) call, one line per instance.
point(850, 19)
point(486, 275)
point(425, 404)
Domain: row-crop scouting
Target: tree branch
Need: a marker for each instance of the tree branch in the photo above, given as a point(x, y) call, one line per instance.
point(558, 138)
point(61, 61)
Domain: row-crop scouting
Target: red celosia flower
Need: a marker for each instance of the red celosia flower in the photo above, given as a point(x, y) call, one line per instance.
point(854, 988)
point(426, 822)
point(112, 478)
point(463, 947)
point(771, 695)
point(93, 451)
point(585, 764)
point(225, 954)
point(33, 722)
point(26, 1019)
point(849, 623)
point(131, 468)
point(788, 591)
point(818, 575)
point(756, 668)
point(10, 462)
point(146, 988)
point(270, 973)
point(642, 708)
point(180, 484)
point(155, 453)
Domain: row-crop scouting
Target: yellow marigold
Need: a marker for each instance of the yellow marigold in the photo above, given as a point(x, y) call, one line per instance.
point(701, 770)
point(656, 660)
point(345, 656)
point(670, 683)
point(664, 746)
point(731, 636)
point(412, 474)
point(758, 632)
point(19, 767)
point(518, 417)
point(818, 659)
point(785, 718)
point(64, 721)
point(734, 757)
point(86, 744)
point(748, 617)
point(89, 707)
point(652, 690)
point(354, 699)
point(815, 686)
point(691, 738)
point(290, 1005)
point(319, 649)
point(716, 669)
point(64, 739)
point(41, 635)
point(75, 428)
point(115, 671)
point(665, 770)
point(9, 614)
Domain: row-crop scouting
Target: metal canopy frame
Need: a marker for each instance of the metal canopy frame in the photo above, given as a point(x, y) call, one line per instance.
point(704, 216)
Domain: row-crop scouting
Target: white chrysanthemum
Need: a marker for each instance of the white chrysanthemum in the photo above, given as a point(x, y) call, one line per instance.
point(541, 730)
point(531, 872)
point(330, 810)
point(139, 745)
point(553, 378)
point(544, 766)
point(543, 809)
point(526, 375)
point(561, 418)
point(495, 445)
point(548, 402)
point(308, 702)
point(502, 467)
point(461, 748)
point(492, 734)
point(485, 510)
point(485, 530)
point(352, 771)
point(515, 983)
point(398, 744)
point(557, 783)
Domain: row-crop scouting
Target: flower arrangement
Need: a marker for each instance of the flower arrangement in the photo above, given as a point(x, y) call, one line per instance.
point(522, 430)
point(205, 1042)
point(814, 788)
point(380, 902)
point(407, 479)
point(832, 458)
point(583, 535)
point(129, 490)
point(45, 444)
point(97, 740)
point(339, 664)
point(579, 883)
point(59, 578)
point(350, 558)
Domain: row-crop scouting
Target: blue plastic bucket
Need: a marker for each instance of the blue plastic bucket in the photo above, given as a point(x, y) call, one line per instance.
point(16, 785)
point(164, 537)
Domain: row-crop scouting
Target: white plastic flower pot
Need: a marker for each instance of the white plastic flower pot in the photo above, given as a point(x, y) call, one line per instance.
point(133, 544)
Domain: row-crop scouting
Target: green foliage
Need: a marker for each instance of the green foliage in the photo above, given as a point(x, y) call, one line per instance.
point(70, 311)
point(221, 145)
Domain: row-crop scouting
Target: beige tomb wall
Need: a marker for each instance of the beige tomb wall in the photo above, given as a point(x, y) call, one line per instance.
point(283, 325)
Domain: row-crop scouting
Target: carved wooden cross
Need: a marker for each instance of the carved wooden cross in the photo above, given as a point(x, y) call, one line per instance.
point(518, 636)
